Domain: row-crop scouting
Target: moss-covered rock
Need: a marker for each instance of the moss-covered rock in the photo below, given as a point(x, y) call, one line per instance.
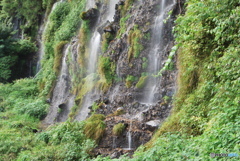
point(118, 129)
point(142, 81)
point(95, 127)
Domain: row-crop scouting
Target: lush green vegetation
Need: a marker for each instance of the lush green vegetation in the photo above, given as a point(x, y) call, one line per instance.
point(206, 115)
point(123, 26)
point(63, 23)
point(13, 53)
point(65, 141)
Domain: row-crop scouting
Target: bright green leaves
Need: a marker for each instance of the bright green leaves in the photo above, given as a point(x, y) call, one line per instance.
point(209, 25)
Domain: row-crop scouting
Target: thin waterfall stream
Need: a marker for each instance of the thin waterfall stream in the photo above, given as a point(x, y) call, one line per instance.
point(41, 33)
point(61, 93)
point(94, 48)
point(155, 54)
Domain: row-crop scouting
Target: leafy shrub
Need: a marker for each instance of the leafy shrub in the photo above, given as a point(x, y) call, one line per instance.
point(65, 141)
point(37, 109)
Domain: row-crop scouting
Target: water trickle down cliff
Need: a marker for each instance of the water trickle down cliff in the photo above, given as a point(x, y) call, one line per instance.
point(151, 104)
point(61, 100)
point(158, 47)
point(94, 52)
point(40, 36)
point(145, 118)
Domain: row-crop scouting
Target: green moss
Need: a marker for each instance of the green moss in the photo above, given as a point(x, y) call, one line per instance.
point(145, 63)
point(123, 26)
point(95, 127)
point(85, 86)
point(127, 5)
point(106, 70)
point(142, 81)
point(58, 50)
point(84, 37)
point(107, 37)
point(118, 129)
point(83, 15)
point(135, 47)
point(129, 80)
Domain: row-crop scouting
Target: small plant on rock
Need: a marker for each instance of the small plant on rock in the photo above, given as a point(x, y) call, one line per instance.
point(118, 129)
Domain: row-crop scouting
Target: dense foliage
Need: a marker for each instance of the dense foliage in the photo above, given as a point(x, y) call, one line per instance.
point(206, 115)
point(13, 53)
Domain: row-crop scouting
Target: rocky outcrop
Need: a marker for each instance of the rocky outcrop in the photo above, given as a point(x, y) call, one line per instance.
point(144, 118)
point(92, 15)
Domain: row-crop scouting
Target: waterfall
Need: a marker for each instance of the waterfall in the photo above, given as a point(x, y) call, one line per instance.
point(91, 69)
point(155, 54)
point(94, 48)
point(60, 98)
point(114, 142)
point(40, 38)
point(90, 4)
point(129, 135)
point(111, 9)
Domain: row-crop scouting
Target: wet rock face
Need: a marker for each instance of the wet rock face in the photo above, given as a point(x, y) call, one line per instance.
point(143, 118)
point(92, 15)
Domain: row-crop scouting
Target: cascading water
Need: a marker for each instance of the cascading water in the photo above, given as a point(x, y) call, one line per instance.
point(158, 48)
point(111, 10)
point(61, 93)
point(41, 32)
point(129, 135)
point(94, 47)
